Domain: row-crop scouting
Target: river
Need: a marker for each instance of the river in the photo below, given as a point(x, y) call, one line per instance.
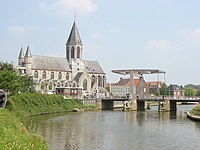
point(118, 130)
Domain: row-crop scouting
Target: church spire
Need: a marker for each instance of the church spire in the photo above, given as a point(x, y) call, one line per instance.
point(74, 37)
point(21, 57)
point(28, 52)
point(21, 53)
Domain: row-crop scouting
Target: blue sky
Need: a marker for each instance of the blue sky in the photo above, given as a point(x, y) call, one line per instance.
point(120, 34)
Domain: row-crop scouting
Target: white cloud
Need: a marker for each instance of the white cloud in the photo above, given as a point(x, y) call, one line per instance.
point(20, 29)
point(159, 44)
point(194, 33)
point(69, 6)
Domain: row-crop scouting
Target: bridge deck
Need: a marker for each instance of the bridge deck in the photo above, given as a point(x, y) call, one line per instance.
point(172, 99)
point(181, 99)
point(115, 99)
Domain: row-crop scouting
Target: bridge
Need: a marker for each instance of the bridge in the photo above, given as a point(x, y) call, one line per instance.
point(165, 103)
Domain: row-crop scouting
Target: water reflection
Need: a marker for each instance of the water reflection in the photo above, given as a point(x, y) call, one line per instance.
point(109, 130)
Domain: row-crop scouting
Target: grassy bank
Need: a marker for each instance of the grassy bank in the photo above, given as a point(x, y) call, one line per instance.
point(196, 110)
point(13, 134)
point(24, 105)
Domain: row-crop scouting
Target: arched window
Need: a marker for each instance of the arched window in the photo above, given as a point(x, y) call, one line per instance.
point(99, 81)
point(59, 75)
point(66, 84)
point(50, 86)
point(52, 75)
point(42, 85)
point(72, 52)
point(58, 84)
point(44, 75)
point(36, 74)
point(92, 81)
point(78, 52)
point(68, 53)
point(85, 84)
point(104, 81)
point(67, 76)
point(74, 84)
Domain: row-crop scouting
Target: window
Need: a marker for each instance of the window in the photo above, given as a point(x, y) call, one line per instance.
point(59, 75)
point(67, 53)
point(67, 76)
point(78, 52)
point(44, 75)
point(92, 81)
point(104, 81)
point(85, 84)
point(42, 86)
point(72, 52)
point(74, 84)
point(99, 81)
point(50, 86)
point(58, 84)
point(35, 74)
point(66, 84)
point(52, 75)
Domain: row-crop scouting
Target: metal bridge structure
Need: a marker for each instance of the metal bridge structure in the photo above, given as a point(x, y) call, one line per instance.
point(165, 103)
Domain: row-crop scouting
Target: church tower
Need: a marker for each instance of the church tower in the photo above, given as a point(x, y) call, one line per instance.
point(74, 50)
point(28, 61)
point(21, 58)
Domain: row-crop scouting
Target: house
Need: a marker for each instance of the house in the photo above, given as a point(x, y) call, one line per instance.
point(154, 87)
point(122, 87)
point(176, 91)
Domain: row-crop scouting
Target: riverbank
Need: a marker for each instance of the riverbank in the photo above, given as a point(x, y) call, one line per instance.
point(194, 114)
point(14, 135)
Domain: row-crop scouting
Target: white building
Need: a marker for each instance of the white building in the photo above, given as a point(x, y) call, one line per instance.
point(71, 76)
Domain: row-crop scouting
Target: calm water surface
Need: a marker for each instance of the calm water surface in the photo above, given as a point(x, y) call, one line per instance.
point(118, 130)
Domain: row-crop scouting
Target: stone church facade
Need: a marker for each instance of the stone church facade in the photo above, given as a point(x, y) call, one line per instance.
point(71, 76)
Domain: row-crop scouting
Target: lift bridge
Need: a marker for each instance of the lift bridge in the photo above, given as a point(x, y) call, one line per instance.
point(165, 103)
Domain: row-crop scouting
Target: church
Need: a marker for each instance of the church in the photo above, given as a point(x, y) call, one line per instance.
point(71, 76)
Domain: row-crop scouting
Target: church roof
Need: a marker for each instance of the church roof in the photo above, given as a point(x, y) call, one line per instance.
point(74, 37)
point(77, 77)
point(50, 63)
point(93, 67)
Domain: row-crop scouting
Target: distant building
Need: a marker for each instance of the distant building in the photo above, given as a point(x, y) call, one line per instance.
point(71, 76)
point(154, 87)
point(176, 91)
point(122, 87)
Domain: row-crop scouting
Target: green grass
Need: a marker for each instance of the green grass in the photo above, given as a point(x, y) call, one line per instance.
point(13, 133)
point(196, 110)
point(25, 105)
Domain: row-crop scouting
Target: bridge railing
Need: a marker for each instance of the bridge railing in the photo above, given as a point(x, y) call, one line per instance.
point(170, 97)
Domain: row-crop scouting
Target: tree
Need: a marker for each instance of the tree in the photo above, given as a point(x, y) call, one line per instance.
point(189, 91)
point(164, 89)
point(11, 82)
point(107, 88)
point(197, 93)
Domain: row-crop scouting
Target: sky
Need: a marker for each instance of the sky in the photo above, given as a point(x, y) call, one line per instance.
point(119, 34)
